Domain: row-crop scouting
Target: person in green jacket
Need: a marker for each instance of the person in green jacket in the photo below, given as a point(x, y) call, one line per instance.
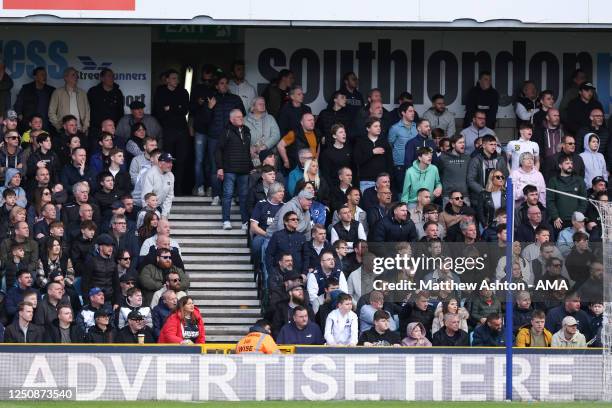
point(422, 174)
point(560, 206)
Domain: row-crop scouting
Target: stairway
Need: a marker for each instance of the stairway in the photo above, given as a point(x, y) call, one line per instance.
point(219, 266)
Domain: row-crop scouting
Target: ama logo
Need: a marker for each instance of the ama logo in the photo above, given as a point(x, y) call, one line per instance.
point(123, 5)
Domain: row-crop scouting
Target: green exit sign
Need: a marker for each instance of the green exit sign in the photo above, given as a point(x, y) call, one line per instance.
point(197, 32)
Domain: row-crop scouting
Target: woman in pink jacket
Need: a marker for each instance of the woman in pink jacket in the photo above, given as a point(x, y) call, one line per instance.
point(525, 175)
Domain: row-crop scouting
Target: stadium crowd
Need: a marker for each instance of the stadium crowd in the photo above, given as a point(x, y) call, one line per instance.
point(86, 249)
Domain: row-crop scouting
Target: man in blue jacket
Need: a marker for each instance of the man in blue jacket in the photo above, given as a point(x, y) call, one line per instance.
point(422, 139)
point(301, 330)
point(490, 334)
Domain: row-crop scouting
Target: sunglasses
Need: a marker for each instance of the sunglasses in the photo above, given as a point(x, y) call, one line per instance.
point(165, 257)
point(499, 177)
point(12, 137)
point(175, 280)
point(46, 193)
point(127, 258)
point(458, 198)
point(570, 143)
point(292, 219)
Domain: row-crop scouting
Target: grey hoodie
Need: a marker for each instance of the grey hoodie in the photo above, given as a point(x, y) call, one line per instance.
point(414, 342)
point(444, 120)
point(304, 224)
point(22, 201)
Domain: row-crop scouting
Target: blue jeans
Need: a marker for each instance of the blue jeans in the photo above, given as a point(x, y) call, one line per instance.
point(229, 182)
point(264, 268)
point(205, 165)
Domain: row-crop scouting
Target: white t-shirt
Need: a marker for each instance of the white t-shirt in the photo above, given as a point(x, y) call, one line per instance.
point(517, 147)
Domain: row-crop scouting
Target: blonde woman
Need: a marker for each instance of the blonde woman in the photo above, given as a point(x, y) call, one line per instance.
point(491, 198)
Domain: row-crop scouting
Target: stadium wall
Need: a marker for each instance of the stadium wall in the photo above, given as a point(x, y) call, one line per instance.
point(169, 373)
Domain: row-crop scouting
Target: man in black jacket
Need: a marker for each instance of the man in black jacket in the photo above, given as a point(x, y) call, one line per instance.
point(134, 329)
point(63, 329)
point(105, 100)
point(234, 165)
point(396, 226)
point(102, 270)
point(22, 330)
point(482, 97)
point(171, 107)
point(34, 97)
point(336, 113)
point(450, 335)
point(101, 332)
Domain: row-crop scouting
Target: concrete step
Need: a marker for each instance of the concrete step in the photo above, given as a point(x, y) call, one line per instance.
point(226, 242)
point(185, 249)
point(227, 302)
point(218, 267)
point(223, 338)
point(216, 276)
point(202, 209)
point(239, 285)
point(228, 329)
point(230, 312)
point(212, 217)
point(191, 199)
point(194, 233)
point(222, 294)
point(227, 259)
point(229, 320)
point(202, 224)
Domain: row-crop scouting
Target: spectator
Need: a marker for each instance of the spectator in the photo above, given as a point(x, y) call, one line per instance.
point(173, 283)
point(376, 214)
point(452, 306)
point(560, 206)
point(484, 303)
point(152, 276)
point(418, 310)
point(135, 117)
point(301, 330)
point(318, 279)
point(453, 166)
point(440, 117)
point(136, 331)
point(134, 303)
point(240, 86)
point(69, 100)
point(337, 114)
point(592, 289)
point(234, 165)
point(421, 174)
point(415, 336)
point(354, 98)
point(490, 333)
point(264, 130)
point(482, 164)
point(30, 247)
point(171, 107)
point(372, 155)
point(295, 140)
point(579, 109)
point(142, 162)
point(482, 97)
point(97, 301)
point(368, 311)
point(78, 170)
point(34, 97)
point(476, 131)
point(185, 325)
point(283, 310)
point(491, 199)
point(594, 162)
point(569, 308)
point(313, 250)
point(102, 272)
point(534, 334)
point(549, 134)
point(105, 99)
point(572, 91)
point(63, 329)
point(380, 334)
point(347, 228)
point(421, 140)
point(336, 160)
point(396, 226)
point(569, 336)
point(277, 92)
point(53, 259)
point(43, 158)
point(524, 144)
point(341, 324)
point(528, 231)
point(527, 174)
point(288, 240)
point(22, 330)
point(527, 104)
point(369, 198)
point(597, 125)
point(568, 149)
point(300, 205)
point(162, 310)
point(101, 332)
point(450, 335)
point(579, 258)
point(17, 294)
point(400, 134)
point(11, 156)
point(291, 113)
point(159, 179)
point(532, 199)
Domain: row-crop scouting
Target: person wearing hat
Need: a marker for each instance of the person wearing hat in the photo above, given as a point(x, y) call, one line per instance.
point(160, 180)
point(565, 241)
point(283, 311)
point(138, 115)
point(102, 332)
point(135, 327)
point(569, 336)
point(11, 153)
point(9, 123)
point(102, 270)
point(258, 340)
point(579, 109)
point(95, 301)
point(13, 181)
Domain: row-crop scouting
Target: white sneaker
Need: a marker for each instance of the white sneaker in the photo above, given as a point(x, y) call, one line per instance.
point(215, 201)
point(209, 192)
point(226, 224)
point(200, 192)
point(245, 226)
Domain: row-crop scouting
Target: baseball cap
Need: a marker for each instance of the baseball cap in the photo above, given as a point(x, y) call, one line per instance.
point(294, 286)
point(599, 179)
point(578, 216)
point(166, 157)
point(101, 312)
point(308, 195)
point(105, 239)
point(94, 291)
point(569, 321)
point(117, 204)
point(127, 277)
point(586, 85)
point(137, 105)
point(11, 115)
point(264, 154)
point(135, 315)
point(291, 275)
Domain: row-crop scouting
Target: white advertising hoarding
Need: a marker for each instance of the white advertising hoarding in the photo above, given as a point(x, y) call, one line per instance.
point(383, 11)
point(427, 62)
point(127, 51)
